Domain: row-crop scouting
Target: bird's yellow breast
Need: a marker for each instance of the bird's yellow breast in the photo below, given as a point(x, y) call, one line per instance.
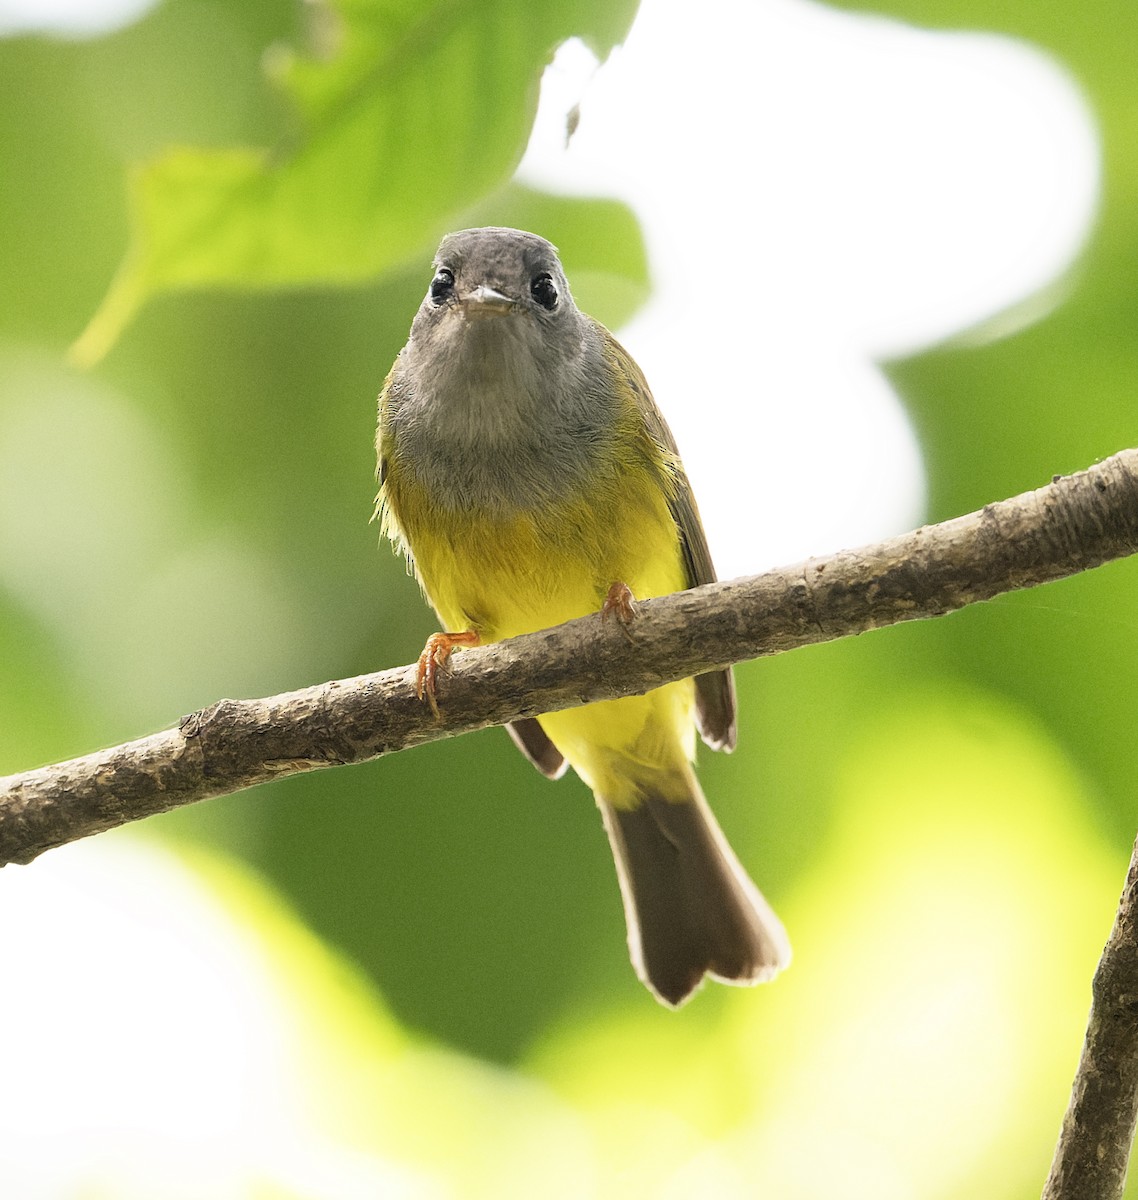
point(523, 568)
point(516, 571)
point(505, 574)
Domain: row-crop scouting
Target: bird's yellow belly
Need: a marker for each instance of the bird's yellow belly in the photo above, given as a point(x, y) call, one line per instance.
point(511, 575)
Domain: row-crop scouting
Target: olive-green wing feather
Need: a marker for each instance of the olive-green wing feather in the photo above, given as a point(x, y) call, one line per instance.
point(715, 691)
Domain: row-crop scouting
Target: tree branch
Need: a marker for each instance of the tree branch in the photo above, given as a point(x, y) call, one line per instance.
point(1073, 524)
point(1098, 1130)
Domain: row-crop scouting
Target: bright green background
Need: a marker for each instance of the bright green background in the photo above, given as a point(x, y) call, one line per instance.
point(941, 812)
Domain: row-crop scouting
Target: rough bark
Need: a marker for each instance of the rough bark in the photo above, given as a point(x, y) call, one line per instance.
point(1098, 1130)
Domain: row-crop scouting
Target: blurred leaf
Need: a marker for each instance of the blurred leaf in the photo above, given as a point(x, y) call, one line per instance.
point(37, 724)
point(404, 114)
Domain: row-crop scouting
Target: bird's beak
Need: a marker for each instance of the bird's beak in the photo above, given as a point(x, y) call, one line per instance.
point(485, 301)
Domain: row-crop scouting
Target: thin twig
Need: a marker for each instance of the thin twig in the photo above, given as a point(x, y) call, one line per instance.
point(1098, 1130)
point(1071, 525)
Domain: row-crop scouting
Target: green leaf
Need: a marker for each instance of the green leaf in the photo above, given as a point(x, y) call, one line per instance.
point(405, 114)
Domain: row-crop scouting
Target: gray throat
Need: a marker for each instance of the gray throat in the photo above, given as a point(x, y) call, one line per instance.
point(495, 419)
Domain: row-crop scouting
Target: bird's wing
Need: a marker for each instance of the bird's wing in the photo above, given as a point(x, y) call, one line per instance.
point(715, 691)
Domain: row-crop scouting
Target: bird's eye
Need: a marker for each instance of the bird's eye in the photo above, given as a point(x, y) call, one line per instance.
point(442, 286)
point(544, 291)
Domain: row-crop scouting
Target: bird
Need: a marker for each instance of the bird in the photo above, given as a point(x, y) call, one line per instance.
point(529, 478)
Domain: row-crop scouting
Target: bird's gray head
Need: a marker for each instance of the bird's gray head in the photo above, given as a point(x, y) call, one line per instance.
point(498, 336)
point(493, 272)
point(502, 372)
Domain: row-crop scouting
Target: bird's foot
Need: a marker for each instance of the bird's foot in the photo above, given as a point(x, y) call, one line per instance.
point(620, 603)
point(438, 649)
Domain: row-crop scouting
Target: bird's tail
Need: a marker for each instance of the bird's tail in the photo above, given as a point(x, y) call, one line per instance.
point(691, 908)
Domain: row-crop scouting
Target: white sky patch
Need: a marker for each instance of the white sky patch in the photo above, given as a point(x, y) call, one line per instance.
point(818, 191)
point(159, 1052)
point(70, 18)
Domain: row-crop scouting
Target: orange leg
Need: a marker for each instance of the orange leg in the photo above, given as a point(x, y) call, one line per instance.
point(435, 654)
point(621, 603)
